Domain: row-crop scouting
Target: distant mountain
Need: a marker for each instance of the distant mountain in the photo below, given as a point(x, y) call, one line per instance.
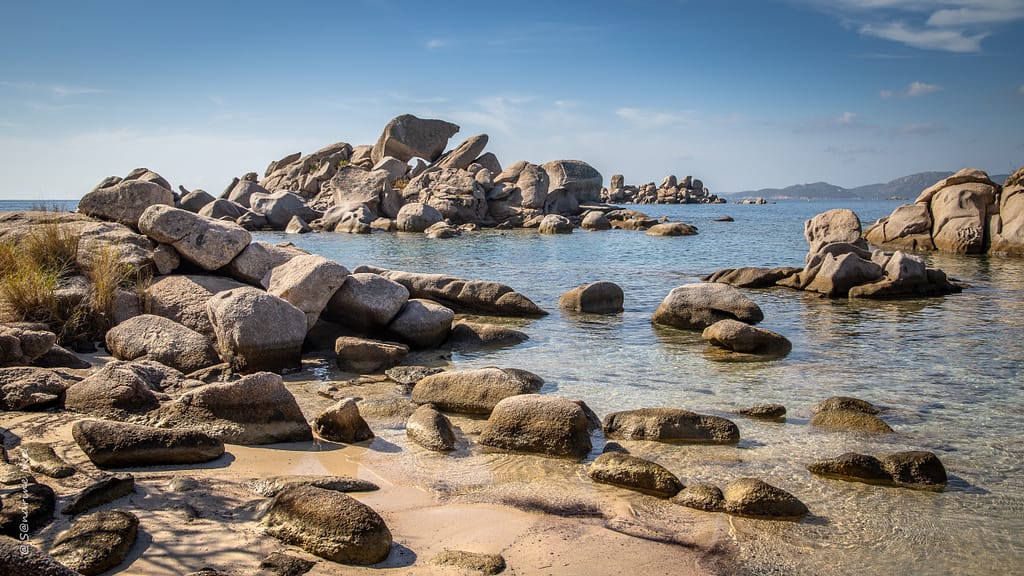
point(907, 187)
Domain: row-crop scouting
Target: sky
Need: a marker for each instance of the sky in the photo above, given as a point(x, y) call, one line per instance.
point(744, 94)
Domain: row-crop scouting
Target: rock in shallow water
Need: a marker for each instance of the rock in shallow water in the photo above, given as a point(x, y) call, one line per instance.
point(670, 424)
point(634, 473)
point(430, 429)
point(539, 424)
point(474, 391)
point(697, 306)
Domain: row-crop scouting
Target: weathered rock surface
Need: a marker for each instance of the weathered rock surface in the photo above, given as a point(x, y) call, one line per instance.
point(539, 424)
point(422, 324)
point(764, 411)
point(366, 302)
point(454, 193)
point(430, 429)
point(594, 298)
point(758, 499)
point(915, 469)
point(407, 136)
point(461, 294)
point(271, 486)
point(342, 423)
point(366, 356)
point(24, 388)
point(161, 339)
point(42, 459)
point(125, 202)
point(845, 403)
point(182, 298)
point(697, 306)
point(210, 244)
point(578, 178)
point(474, 391)
point(836, 225)
point(122, 445)
point(468, 335)
point(846, 420)
point(257, 331)
point(634, 473)
point(97, 542)
point(18, 558)
point(30, 504)
point(672, 229)
point(706, 497)
point(257, 409)
point(20, 346)
point(463, 155)
point(104, 490)
point(417, 217)
point(114, 391)
point(307, 282)
point(475, 562)
point(740, 337)
point(555, 224)
point(259, 258)
point(286, 565)
point(671, 425)
point(1007, 228)
point(328, 524)
point(595, 220)
point(750, 277)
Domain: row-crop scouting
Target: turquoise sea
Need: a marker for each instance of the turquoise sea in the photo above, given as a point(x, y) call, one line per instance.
point(949, 372)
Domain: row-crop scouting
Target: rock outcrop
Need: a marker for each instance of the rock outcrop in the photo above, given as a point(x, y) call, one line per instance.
point(122, 445)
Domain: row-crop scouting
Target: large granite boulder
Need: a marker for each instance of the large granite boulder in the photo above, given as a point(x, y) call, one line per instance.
point(18, 558)
point(221, 209)
point(538, 424)
point(210, 244)
point(23, 345)
point(307, 282)
point(328, 524)
point(475, 391)
point(759, 499)
point(670, 425)
point(258, 258)
point(960, 216)
point(555, 224)
point(257, 331)
point(417, 217)
point(342, 422)
point(909, 227)
point(1008, 227)
point(422, 324)
point(352, 184)
point(242, 192)
point(182, 298)
point(125, 202)
point(161, 339)
point(582, 180)
point(97, 542)
point(279, 207)
point(454, 193)
point(741, 337)
point(752, 277)
point(366, 356)
point(195, 200)
point(634, 473)
point(836, 225)
point(460, 294)
point(430, 429)
point(595, 220)
point(27, 388)
point(115, 391)
point(672, 229)
point(122, 445)
point(406, 137)
point(257, 409)
point(593, 298)
point(697, 306)
point(366, 301)
point(464, 154)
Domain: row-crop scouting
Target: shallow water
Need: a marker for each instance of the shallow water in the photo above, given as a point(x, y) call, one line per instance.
point(947, 370)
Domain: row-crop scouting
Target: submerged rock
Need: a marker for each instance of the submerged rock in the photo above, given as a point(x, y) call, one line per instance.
point(670, 424)
point(430, 429)
point(758, 499)
point(914, 469)
point(737, 336)
point(593, 298)
point(846, 420)
point(634, 473)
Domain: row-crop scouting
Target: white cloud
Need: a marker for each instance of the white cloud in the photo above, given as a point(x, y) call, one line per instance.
point(913, 89)
point(436, 43)
point(651, 118)
point(928, 39)
point(844, 121)
point(54, 90)
point(919, 129)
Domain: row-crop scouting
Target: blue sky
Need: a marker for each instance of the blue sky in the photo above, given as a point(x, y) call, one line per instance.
point(744, 94)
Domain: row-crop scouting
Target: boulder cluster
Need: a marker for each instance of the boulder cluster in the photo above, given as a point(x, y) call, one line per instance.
point(358, 189)
point(671, 190)
point(966, 213)
point(840, 264)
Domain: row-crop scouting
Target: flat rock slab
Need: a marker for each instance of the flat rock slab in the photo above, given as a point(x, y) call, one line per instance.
point(97, 542)
point(269, 487)
point(122, 445)
point(106, 489)
point(634, 473)
point(31, 504)
point(474, 561)
point(42, 459)
point(670, 424)
point(20, 559)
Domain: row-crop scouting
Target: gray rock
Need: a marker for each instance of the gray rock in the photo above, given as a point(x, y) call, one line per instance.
point(125, 202)
point(422, 324)
point(307, 282)
point(21, 346)
point(475, 391)
point(697, 306)
point(269, 487)
point(258, 258)
point(417, 217)
point(463, 155)
point(257, 331)
point(210, 244)
point(328, 524)
point(454, 193)
point(18, 558)
point(352, 184)
point(161, 339)
point(538, 424)
point(182, 298)
point(366, 302)
point(407, 136)
point(257, 409)
point(672, 229)
point(845, 403)
point(577, 177)
point(104, 490)
point(460, 294)
point(342, 423)
point(836, 276)
point(279, 207)
point(596, 220)
point(430, 429)
point(837, 225)
point(410, 375)
point(121, 445)
point(115, 391)
point(297, 226)
point(555, 224)
point(286, 565)
point(468, 335)
point(737, 336)
point(243, 190)
point(42, 459)
point(195, 200)
point(472, 561)
point(750, 277)
point(758, 499)
point(97, 542)
point(60, 357)
point(634, 473)
point(594, 298)
point(365, 356)
point(221, 209)
point(670, 424)
point(27, 388)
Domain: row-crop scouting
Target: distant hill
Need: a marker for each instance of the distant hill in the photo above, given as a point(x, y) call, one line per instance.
point(906, 187)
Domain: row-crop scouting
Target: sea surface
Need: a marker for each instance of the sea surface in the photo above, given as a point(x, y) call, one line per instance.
point(948, 371)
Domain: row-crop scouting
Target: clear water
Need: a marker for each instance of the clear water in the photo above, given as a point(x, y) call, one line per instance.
point(947, 370)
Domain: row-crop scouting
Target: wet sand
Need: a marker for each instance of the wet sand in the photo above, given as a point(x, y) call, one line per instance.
point(541, 514)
